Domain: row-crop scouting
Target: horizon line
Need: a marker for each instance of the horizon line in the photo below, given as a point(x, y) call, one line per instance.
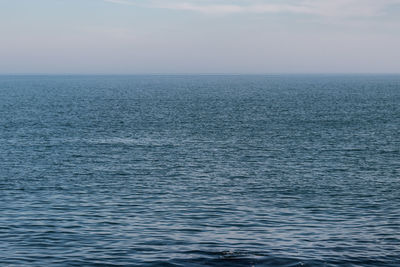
point(197, 73)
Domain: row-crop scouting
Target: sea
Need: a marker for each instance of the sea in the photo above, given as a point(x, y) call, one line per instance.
point(200, 170)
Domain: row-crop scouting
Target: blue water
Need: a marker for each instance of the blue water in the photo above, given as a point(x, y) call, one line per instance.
point(200, 170)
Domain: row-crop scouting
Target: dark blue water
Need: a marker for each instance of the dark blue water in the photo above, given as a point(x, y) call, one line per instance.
point(200, 170)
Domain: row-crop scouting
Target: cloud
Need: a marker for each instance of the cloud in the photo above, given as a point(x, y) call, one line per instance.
point(350, 8)
point(229, 8)
point(124, 2)
point(328, 8)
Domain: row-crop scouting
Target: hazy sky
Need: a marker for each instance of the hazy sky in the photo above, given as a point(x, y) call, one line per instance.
point(199, 36)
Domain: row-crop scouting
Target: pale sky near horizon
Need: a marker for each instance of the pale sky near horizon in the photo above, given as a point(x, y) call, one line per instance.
point(199, 36)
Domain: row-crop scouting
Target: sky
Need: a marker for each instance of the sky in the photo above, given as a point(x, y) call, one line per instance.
point(199, 36)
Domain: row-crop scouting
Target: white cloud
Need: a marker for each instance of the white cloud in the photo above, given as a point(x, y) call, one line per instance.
point(350, 8)
point(124, 2)
point(337, 8)
point(230, 8)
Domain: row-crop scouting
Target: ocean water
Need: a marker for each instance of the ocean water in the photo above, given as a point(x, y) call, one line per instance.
point(280, 170)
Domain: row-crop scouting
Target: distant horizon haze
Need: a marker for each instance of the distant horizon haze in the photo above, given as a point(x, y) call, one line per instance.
point(125, 37)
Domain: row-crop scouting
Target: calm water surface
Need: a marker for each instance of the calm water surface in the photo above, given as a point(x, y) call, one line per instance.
point(200, 170)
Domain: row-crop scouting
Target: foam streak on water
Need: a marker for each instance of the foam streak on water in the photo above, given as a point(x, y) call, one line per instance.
point(199, 170)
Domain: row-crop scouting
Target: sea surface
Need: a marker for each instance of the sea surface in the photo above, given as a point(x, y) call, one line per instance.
point(234, 170)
